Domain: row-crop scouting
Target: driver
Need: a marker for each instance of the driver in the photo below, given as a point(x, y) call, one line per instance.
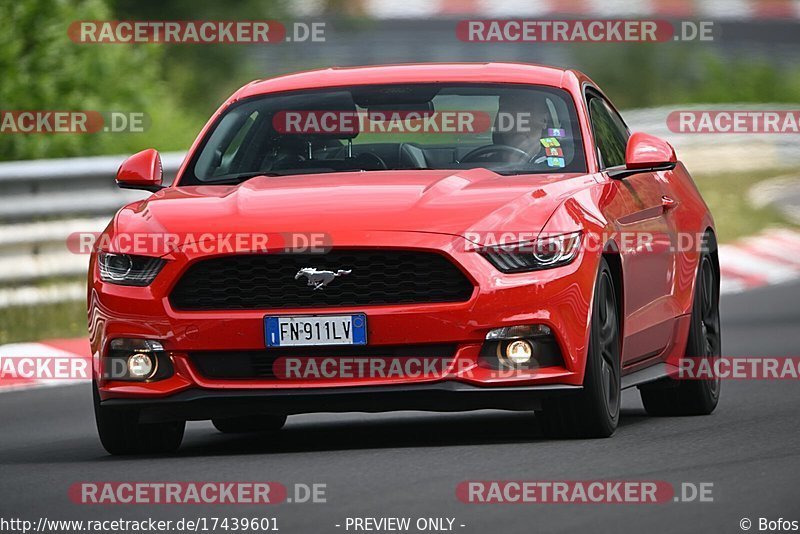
point(525, 119)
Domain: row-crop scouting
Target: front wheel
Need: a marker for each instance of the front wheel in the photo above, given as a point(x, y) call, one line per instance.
point(594, 411)
point(670, 397)
point(121, 432)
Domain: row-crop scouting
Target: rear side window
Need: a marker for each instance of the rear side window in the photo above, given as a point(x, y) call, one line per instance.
point(610, 133)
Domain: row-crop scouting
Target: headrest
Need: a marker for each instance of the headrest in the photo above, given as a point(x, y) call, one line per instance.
point(310, 111)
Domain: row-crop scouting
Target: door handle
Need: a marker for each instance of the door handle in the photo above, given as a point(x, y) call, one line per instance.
point(668, 203)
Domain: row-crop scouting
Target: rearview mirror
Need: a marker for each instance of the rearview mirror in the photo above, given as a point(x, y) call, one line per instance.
point(141, 171)
point(646, 153)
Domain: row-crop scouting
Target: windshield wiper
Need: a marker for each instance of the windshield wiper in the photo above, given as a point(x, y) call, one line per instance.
point(239, 178)
point(517, 172)
point(243, 177)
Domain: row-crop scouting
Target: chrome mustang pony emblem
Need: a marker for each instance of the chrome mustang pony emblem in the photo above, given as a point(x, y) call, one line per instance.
point(319, 279)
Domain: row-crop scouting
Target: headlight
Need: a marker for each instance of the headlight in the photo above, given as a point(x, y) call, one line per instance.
point(127, 269)
point(544, 253)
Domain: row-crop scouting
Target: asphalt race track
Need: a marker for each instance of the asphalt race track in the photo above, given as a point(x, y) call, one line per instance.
point(409, 464)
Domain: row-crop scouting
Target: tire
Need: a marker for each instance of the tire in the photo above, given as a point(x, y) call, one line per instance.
point(594, 411)
point(121, 432)
point(249, 424)
point(670, 397)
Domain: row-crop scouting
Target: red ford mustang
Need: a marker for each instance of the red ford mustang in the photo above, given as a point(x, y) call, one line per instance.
point(425, 237)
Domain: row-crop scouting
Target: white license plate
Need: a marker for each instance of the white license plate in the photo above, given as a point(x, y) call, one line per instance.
point(304, 330)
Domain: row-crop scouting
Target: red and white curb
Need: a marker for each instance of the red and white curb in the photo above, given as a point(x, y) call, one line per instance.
point(769, 258)
point(56, 362)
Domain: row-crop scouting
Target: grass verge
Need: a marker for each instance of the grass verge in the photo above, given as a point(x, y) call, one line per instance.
point(735, 217)
point(45, 321)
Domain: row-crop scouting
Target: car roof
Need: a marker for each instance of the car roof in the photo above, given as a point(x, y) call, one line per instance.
point(413, 73)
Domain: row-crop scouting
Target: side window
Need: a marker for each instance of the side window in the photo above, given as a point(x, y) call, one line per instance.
point(610, 134)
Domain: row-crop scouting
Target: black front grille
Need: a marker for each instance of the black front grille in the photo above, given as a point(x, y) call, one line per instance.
point(257, 364)
point(259, 281)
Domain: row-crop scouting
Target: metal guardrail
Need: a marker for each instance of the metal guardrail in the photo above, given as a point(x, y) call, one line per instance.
point(43, 202)
point(38, 189)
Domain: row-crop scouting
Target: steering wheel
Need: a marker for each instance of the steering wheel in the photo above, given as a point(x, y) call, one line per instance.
point(483, 151)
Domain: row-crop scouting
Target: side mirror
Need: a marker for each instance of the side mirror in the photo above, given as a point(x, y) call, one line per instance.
point(141, 171)
point(646, 153)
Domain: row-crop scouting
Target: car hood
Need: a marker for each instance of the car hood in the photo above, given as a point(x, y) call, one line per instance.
point(441, 201)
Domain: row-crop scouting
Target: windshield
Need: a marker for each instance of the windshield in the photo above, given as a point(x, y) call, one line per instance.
point(509, 129)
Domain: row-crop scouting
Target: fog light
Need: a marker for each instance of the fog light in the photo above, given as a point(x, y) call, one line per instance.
point(518, 352)
point(140, 365)
point(521, 347)
point(136, 360)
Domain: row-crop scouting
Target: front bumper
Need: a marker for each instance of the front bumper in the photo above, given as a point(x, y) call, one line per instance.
point(559, 298)
point(199, 405)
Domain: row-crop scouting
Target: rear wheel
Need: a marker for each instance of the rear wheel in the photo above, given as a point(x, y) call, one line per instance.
point(121, 432)
point(594, 411)
point(255, 423)
point(693, 397)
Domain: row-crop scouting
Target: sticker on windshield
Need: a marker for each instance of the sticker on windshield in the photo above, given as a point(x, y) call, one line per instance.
point(548, 142)
point(553, 151)
point(556, 132)
point(555, 162)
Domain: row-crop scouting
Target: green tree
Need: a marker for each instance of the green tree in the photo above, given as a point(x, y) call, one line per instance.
point(203, 76)
point(42, 69)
